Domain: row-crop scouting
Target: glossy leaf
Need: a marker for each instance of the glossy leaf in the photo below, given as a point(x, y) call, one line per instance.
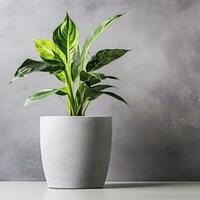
point(101, 87)
point(40, 95)
point(75, 66)
point(63, 58)
point(66, 37)
point(94, 78)
point(44, 94)
point(104, 57)
point(92, 94)
point(80, 94)
point(85, 93)
point(30, 65)
point(93, 36)
point(49, 52)
point(61, 76)
point(63, 91)
point(114, 96)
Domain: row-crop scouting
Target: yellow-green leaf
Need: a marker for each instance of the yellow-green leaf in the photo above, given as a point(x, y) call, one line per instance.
point(61, 76)
point(49, 51)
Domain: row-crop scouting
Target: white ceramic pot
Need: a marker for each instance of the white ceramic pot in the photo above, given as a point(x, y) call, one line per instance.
point(75, 150)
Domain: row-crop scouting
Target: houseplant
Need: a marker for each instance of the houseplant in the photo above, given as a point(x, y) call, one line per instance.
point(76, 148)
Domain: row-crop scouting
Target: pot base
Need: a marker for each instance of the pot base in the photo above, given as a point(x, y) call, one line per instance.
point(75, 188)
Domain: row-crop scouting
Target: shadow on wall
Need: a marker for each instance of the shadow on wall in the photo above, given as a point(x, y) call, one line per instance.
point(165, 139)
point(160, 137)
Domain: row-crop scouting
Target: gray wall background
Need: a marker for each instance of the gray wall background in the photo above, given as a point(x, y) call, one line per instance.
point(158, 138)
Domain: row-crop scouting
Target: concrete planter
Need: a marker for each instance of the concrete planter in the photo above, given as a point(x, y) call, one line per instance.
point(75, 150)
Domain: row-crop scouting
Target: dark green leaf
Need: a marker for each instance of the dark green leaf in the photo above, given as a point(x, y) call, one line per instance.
point(93, 78)
point(75, 67)
point(85, 92)
point(114, 96)
point(104, 57)
point(66, 37)
point(101, 87)
point(80, 94)
point(29, 66)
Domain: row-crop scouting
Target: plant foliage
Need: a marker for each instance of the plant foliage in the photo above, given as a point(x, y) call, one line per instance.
point(63, 58)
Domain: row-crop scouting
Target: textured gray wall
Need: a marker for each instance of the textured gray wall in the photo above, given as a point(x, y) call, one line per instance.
point(158, 138)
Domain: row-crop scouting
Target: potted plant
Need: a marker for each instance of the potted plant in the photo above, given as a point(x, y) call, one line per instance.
point(75, 149)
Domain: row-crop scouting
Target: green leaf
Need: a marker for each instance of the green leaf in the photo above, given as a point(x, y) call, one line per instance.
point(92, 94)
point(63, 91)
point(49, 52)
point(93, 36)
point(101, 87)
point(62, 58)
point(44, 94)
point(85, 93)
point(114, 96)
point(81, 98)
point(30, 65)
point(80, 94)
point(66, 37)
point(93, 78)
point(104, 57)
point(40, 95)
point(61, 76)
point(75, 66)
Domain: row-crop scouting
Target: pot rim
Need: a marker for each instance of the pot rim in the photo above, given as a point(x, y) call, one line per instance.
point(66, 116)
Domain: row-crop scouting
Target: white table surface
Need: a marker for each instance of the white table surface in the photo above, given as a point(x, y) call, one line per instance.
point(112, 191)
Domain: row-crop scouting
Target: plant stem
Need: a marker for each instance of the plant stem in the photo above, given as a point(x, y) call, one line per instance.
point(71, 103)
point(85, 107)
